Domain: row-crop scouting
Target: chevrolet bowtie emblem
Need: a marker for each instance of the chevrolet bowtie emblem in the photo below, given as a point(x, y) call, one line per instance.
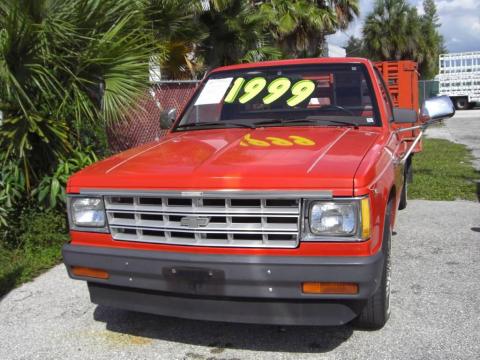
point(194, 222)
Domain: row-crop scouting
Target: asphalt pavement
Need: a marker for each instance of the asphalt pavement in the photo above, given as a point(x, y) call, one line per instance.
point(435, 306)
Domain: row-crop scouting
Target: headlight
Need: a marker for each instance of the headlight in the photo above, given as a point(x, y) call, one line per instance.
point(333, 219)
point(347, 220)
point(87, 212)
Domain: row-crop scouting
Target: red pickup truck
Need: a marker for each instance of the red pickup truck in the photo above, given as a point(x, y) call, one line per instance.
point(271, 200)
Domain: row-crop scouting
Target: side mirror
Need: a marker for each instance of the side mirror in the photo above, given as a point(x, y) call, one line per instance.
point(167, 118)
point(404, 116)
point(437, 108)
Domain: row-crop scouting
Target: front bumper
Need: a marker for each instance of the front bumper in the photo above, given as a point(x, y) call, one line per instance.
point(233, 288)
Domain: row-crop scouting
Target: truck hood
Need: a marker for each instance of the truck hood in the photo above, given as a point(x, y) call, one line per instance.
point(263, 158)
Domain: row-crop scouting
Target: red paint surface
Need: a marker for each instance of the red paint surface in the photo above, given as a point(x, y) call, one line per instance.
point(363, 248)
point(294, 62)
point(214, 159)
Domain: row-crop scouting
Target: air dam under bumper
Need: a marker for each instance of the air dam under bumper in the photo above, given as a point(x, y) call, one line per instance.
point(233, 288)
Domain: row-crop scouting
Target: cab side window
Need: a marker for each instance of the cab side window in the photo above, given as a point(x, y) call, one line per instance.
point(386, 96)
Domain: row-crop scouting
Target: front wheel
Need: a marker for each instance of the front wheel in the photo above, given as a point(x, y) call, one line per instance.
point(377, 309)
point(404, 194)
point(461, 103)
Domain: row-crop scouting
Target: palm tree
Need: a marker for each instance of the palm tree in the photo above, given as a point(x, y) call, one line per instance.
point(300, 26)
point(345, 11)
point(235, 34)
point(177, 32)
point(355, 47)
point(66, 67)
point(433, 43)
point(393, 31)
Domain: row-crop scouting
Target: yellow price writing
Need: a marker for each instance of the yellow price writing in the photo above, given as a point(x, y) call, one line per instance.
point(271, 140)
point(302, 141)
point(252, 89)
point(276, 89)
point(300, 91)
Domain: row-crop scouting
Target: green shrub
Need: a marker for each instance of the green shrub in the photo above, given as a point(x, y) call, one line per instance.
point(42, 229)
point(50, 191)
point(48, 194)
point(32, 246)
point(34, 228)
point(12, 188)
point(66, 66)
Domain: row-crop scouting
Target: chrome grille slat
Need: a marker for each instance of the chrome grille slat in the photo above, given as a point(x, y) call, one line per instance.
point(191, 231)
point(221, 227)
point(202, 210)
point(244, 222)
point(212, 226)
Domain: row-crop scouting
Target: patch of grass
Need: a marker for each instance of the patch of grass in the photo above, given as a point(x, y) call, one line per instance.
point(20, 266)
point(33, 246)
point(443, 171)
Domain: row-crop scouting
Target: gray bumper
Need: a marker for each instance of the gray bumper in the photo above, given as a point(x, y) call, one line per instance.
point(236, 288)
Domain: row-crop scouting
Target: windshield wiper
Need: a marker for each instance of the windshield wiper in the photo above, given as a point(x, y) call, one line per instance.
point(334, 108)
point(308, 121)
point(215, 123)
point(284, 121)
point(338, 122)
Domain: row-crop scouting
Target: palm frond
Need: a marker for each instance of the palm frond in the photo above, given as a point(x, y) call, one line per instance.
point(56, 58)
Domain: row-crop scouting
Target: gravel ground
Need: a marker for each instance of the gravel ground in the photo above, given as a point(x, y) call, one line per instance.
point(435, 310)
point(435, 303)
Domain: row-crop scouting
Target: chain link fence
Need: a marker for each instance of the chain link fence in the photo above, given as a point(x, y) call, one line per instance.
point(143, 124)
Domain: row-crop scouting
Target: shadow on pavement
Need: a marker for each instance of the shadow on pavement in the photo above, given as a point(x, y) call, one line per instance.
point(8, 280)
point(221, 336)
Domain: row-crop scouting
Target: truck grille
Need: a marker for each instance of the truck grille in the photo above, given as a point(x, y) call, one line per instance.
point(230, 222)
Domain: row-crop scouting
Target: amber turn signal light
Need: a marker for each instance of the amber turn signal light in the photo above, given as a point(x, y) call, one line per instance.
point(329, 288)
point(89, 272)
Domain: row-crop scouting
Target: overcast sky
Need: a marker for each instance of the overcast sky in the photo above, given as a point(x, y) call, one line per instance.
point(460, 21)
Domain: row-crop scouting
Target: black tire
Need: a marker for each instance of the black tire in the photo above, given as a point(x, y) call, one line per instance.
point(461, 103)
point(409, 175)
point(377, 309)
point(403, 196)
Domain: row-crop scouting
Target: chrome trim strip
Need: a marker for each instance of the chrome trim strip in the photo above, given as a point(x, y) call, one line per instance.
point(207, 231)
point(232, 194)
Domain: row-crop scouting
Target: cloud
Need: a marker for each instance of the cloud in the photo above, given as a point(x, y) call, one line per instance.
point(455, 5)
point(460, 23)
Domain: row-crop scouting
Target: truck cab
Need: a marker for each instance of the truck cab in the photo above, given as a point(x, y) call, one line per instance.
point(271, 200)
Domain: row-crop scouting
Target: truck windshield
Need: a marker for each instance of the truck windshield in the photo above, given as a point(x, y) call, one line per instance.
point(294, 95)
